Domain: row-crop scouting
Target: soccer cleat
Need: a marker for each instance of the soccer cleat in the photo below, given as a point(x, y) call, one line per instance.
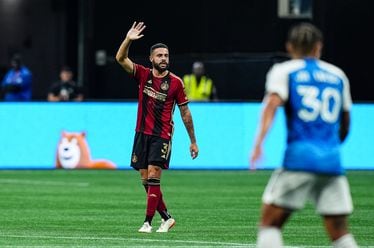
point(146, 228)
point(166, 225)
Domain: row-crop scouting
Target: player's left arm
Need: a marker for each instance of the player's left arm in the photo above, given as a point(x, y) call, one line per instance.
point(271, 103)
point(188, 123)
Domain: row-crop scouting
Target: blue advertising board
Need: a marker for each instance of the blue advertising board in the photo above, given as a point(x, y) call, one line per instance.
point(30, 134)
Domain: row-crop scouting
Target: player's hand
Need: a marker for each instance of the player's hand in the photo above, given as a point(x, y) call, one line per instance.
point(194, 150)
point(255, 156)
point(135, 31)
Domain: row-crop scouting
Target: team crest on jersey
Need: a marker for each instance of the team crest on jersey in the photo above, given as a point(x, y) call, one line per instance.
point(164, 86)
point(134, 158)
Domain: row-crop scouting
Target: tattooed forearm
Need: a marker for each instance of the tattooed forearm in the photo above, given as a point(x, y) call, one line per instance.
point(188, 123)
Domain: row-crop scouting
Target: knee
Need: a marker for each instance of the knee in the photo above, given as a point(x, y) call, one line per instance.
point(273, 216)
point(154, 172)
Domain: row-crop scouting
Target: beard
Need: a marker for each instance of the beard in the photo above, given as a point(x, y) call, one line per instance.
point(161, 68)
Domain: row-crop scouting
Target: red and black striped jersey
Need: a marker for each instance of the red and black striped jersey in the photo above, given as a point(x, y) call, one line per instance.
point(157, 98)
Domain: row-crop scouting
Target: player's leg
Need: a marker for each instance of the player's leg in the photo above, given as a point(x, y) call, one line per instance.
point(337, 229)
point(285, 192)
point(272, 220)
point(146, 227)
point(154, 191)
point(144, 179)
point(161, 208)
point(139, 162)
point(154, 197)
point(152, 186)
point(334, 203)
point(159, 158)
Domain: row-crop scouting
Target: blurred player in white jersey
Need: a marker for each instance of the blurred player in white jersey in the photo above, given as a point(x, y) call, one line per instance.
point(317, 101)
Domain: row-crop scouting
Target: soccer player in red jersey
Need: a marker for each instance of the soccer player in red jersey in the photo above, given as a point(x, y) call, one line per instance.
point(159, 92)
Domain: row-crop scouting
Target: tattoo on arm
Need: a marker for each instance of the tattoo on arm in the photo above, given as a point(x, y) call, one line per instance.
point(188, 123)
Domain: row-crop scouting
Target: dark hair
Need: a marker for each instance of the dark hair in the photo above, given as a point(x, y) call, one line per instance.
point(158, 45)
point(303, 36)
point(66, 68)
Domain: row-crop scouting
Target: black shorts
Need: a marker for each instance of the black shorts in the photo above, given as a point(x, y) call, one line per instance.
point(150, 150)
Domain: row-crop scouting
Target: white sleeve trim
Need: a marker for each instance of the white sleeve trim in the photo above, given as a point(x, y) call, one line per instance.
point(347, 99)
point(277, 82)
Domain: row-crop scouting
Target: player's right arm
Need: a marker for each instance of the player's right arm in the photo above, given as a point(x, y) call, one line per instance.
point(122, 55)
point(276, 95)
point(271, 103)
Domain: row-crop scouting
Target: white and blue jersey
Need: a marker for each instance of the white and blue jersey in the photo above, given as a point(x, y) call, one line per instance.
point(315, 95)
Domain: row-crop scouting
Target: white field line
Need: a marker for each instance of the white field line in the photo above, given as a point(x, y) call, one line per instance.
point(171, 242)
point(47, 183)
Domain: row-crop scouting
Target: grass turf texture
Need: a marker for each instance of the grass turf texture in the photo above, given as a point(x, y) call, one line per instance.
point(88, 208)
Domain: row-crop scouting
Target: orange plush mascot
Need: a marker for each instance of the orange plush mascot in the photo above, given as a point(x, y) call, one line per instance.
point(73, 153)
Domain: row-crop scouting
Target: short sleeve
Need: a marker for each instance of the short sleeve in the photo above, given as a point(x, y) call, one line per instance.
point(277, 82)
point(141, 74)
point(181, 96)
point(347, 99)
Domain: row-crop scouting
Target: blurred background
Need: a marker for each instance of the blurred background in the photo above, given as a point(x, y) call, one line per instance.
point(237, 40)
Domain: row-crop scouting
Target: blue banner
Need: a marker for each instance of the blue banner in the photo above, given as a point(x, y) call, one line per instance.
point(43, 135)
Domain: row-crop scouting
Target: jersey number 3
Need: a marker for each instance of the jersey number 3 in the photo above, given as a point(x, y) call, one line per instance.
point(325, 103)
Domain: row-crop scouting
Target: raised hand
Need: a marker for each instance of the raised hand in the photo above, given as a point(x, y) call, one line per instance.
point(135, 31)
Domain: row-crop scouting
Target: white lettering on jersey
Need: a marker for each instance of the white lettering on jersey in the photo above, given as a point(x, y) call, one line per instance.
point(325, 77)
point(328, 107)
point(154, 94)
point(302, 76)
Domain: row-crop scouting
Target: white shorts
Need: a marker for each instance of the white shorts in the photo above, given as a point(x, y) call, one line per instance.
point(291, 189)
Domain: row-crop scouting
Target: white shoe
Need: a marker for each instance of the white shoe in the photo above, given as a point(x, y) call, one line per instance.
point(146, 228)
point(166, 225)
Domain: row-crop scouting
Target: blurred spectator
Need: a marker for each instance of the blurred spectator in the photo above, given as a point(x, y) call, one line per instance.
point(65, 89)
point(198, 85)
point(16, 84)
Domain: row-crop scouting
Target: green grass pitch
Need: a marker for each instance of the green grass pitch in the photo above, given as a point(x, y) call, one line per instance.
point(92, 208)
